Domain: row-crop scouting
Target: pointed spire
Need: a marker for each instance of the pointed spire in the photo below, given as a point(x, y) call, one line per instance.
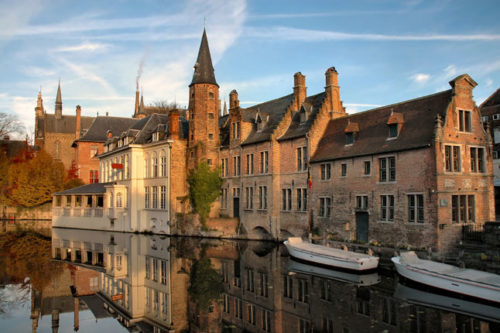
point(203, 69)
point(225, 108)
point(59, 102)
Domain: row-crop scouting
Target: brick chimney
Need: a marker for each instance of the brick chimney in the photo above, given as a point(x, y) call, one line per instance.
point(233, 99)
point(173, 124)
point(332, 90)
point(299, 89)
point(78, 122)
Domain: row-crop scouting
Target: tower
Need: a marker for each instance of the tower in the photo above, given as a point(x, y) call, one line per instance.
point(39, 115)
point(58, 102)
point(204, 109)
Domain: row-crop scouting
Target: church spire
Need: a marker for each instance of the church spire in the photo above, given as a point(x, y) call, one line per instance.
point(39, 105)
point(59, 102)
point(203, 69)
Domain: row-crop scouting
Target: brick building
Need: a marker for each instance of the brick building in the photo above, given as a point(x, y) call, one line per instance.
point(410, 173)
point(56, 132)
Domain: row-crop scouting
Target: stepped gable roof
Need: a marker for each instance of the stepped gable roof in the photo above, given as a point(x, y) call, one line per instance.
point(97, 132)
point(66, 124)
point(203, 69)
point(416, 132)
point(491, 105)
point(96, 188)
point(275, 109)
point(299, 129)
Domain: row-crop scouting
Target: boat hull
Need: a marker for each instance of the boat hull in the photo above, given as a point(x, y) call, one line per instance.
point(448, 283)
point(364, 264)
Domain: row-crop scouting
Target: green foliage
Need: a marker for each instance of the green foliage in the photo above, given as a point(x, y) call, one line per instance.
point(204, 188)
point(206, 284)
point(31, 183)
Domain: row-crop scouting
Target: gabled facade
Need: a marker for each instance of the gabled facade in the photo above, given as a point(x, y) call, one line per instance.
point(410, 173)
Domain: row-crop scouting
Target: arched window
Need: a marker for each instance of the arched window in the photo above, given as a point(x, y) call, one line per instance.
point(154, 163)
point(163, 161)
point(119, 200)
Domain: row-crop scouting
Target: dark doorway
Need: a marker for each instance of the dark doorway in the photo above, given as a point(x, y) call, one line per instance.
point(362, 226)
point(236, 207)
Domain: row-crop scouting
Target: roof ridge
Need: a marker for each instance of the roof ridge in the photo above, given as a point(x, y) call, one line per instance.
point(272, 100)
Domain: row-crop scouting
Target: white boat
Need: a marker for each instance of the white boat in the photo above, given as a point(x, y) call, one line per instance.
point(463, 281)
point(329, 256)
point(358, 279)
point(448, 303)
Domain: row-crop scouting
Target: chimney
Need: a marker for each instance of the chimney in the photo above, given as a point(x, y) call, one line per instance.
point(173, 124)
point(299, 89)
point(233, 99)
point(136, 102)
point(332, 91)
point(78, 122)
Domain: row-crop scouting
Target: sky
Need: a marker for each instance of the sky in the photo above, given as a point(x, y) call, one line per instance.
point(385, 51)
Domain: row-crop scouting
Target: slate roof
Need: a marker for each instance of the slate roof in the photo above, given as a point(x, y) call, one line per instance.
point(12, 148)
point(491, 105)
point(96, 188)
point(417, 130)
point(147, 126)
point(203, 69)
point(97, 131)
point(275, 109)
point(67, 124)
point(297, 129)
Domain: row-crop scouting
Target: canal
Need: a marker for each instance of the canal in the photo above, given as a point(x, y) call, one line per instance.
point(92, 281)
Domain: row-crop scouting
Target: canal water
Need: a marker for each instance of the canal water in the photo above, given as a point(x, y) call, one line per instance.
point(91, 281)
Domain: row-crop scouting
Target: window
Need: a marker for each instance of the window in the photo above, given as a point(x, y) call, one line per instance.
point(146, 167)
point(362, 202)
point(236, 165)
point(304, 326)
point(164, 272)
point(302, 199)
point(119, 200)
point(209, 161)
point(387, 166)
point(266, 321)
point(326, 170)
point(452, 158)
point(366, 168)
point(325, 204)
point(154, 162)
point(226, 303)
point(210, 115)
point(148, 268)
point(264, 285)
point(250, 280)
point(249, 197)
point(155, 269)
point(249, 164)
point(93, 151)
point(155, 197)
point(476, 159)
point(303, 294)
point(163, 197)
point(264, 164)
point(211, 95)
point(163, 168)
point(223, 198)
point(251, 314)
point(463, 208)
point(416, 208)
point(94, 176)
point(393, 130)
point(327, 325)
point(343, 169)
point(223, 167)
point(210, 136)
point(238, 308)
point(464, 121)
point(146, 197)
point(286, 196)
point(349, 138)
point(262, 197)
point(387, 208)
point(301, 158)
point(236, 130)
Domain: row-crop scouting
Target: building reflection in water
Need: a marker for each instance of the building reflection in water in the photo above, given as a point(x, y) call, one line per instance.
point(144, 283)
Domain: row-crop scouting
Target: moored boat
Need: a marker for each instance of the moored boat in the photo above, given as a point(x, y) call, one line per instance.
point(329, 256)
point(463, 281)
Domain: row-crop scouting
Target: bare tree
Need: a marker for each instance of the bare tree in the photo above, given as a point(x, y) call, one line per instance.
point(9, 124)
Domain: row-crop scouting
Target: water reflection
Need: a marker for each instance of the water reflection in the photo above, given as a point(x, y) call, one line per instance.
point(162, 284)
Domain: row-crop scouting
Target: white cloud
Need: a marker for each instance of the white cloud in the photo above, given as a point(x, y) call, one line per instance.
point(308, 35)
point(36, 71)
point(85, 46)
point(420, 78)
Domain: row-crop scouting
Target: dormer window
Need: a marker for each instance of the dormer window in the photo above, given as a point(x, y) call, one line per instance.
point(394, 124)
point(125, 140)
point(236, 129)
point(156, 136)
point(393, 130)
point(349, 138)
point(259, 124)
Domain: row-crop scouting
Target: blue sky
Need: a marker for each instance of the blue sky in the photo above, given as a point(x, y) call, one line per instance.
point(385, 51)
